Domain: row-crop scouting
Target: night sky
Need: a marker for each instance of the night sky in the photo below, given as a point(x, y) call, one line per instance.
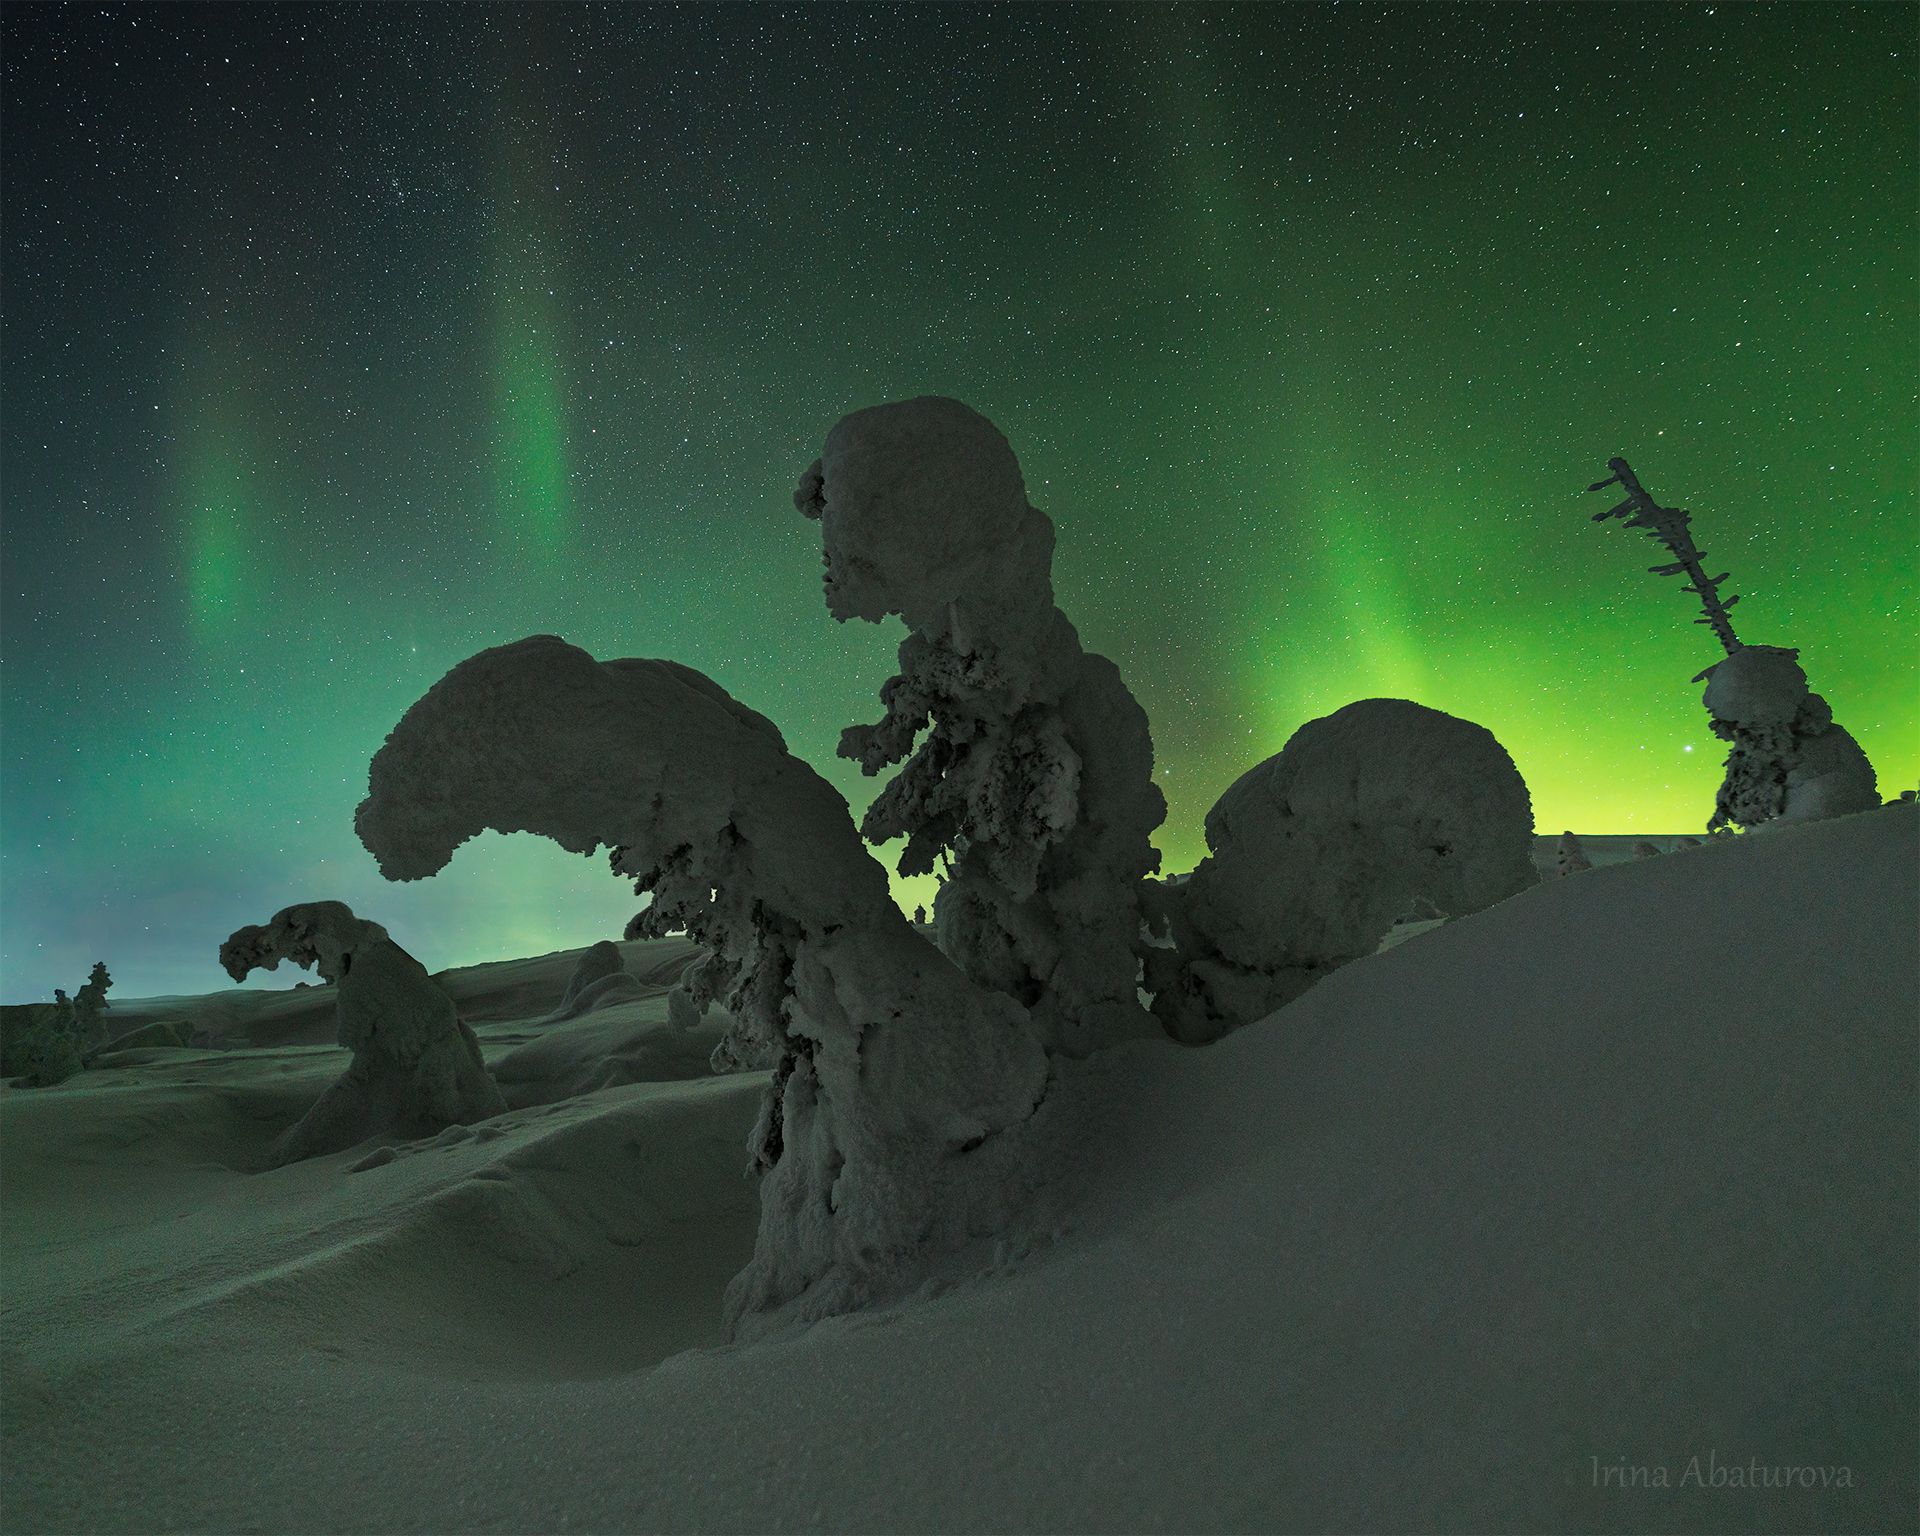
point(340, 343)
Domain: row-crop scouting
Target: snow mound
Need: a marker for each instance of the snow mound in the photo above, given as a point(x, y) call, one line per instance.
point(607, 1047)
point(1315, 853)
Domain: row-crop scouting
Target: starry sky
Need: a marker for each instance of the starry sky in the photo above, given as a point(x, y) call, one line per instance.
point(340, 343)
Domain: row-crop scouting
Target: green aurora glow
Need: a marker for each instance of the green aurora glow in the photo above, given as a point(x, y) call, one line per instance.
point(336, 351)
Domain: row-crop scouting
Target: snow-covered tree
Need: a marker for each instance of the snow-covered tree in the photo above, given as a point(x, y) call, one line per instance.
point(599, 980)
point(1315, 853)
point(1788, 761)
point(90, 1005)
point(54, 1041)
point(1570, 858)
point(49, 1053)
point(898, 1087)
point(1027, 768)
point(416, 1068)
point(596, 963)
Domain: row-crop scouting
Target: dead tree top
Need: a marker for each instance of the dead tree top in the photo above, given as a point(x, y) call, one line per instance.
point(1669, 526)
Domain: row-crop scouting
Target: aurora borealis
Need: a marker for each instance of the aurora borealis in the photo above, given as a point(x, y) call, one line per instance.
point(340, 343)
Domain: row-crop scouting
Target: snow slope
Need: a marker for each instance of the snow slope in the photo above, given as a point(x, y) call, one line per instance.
point(1615, 1175)
point(1602, 848)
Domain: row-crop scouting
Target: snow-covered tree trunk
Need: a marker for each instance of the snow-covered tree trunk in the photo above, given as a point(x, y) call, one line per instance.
point(90, 1006)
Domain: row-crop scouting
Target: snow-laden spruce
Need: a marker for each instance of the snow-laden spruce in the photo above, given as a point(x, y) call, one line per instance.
point(895, 1076)
point(1034, 776)
point(416, 1068)
point(90, 1006)
point(1789, 761)
point(1570, 855)
point(1316, 852)
point(57, 1039)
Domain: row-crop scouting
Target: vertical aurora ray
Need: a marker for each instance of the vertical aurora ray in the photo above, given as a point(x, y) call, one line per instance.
point(1359, 567)
point(1308, 351)
point(532, 513)
point(531, 500)
point(213, 492)
point(1325, 580)
point(213, 495)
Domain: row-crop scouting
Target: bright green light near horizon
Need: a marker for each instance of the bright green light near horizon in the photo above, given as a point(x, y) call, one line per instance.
point(1364, 639)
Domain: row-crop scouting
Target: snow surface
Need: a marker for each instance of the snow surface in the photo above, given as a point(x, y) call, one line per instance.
point(1617, 1173)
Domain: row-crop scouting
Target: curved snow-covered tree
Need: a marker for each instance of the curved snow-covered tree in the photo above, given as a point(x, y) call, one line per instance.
point(1027, 765)
point(1381, 808)
point(1789, 761)
point(416, 1068)
point(892, 1072)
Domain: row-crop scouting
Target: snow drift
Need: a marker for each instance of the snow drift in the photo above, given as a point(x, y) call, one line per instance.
point(1617, 1174)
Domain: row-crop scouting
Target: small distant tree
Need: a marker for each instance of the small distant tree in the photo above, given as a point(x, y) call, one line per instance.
point(89, 1003)
point(52, 1049)
point(1572, 858)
